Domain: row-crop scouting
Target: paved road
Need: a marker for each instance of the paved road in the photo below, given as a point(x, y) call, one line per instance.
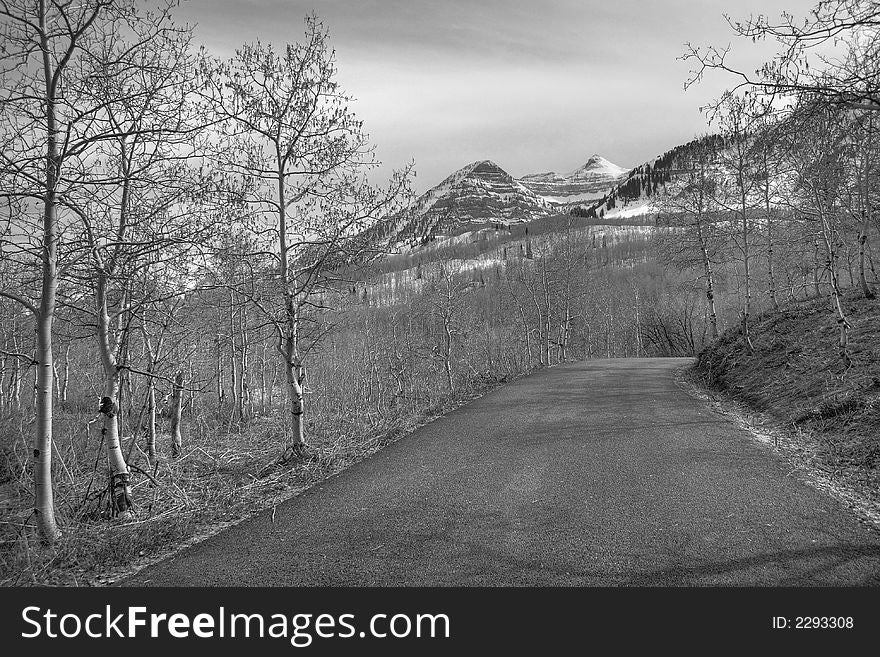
point(598, 473)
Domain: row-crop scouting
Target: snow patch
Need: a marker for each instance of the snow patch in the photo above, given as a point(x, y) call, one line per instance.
point(631, 210)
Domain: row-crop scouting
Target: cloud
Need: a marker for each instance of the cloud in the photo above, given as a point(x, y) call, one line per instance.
point(531, 85)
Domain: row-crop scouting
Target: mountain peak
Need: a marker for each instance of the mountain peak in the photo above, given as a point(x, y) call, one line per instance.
point(588, 182)
point(479, 194)
point(484, 166)
point(598, 164)
point(479, 167)
point(595, 160)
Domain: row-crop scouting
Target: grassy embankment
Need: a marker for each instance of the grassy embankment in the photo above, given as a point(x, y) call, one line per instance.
point(797, 381)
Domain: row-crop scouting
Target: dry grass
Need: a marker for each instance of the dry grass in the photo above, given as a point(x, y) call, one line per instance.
point(222, 477)
point(797, 378)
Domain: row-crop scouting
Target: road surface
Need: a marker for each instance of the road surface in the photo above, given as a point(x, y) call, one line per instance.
point(595, 473)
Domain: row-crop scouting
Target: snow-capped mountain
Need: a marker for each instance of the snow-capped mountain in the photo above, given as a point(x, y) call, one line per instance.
point(641, 191)
point(482, 193)
point(586, 183)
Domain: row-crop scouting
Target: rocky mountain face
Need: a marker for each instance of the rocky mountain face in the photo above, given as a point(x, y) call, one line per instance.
point(480, 194)
point(589, 182)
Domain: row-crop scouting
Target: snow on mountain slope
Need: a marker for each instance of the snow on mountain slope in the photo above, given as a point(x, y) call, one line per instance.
point(588, 182)
point(639, 208)
point(651, 186)
point(597, 167)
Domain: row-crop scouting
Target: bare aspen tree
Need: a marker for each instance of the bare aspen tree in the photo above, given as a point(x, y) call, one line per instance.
point(88, 89)
point(234, 265)
point(234, 385)
point(176, 412)
point(288, 131)
point(156, 326)
point(820, 147)
point(769, 172)
point(446, 295)
point(546, 303)
point(738, 160)
point(537, 283)
point(827, 55)
point(520, 305)
point(860, 199)
point(567, 260)
point(65, 376)
point(692, 216)
point(45, 131)
point(140, 201)
point(828, 60)
point(151, 397)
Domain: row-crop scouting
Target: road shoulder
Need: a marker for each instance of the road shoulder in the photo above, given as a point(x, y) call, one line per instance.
point(799, 448)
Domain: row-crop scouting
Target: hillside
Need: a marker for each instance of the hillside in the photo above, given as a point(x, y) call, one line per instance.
point(639, 193)
point(797, 379)
point(482, 241)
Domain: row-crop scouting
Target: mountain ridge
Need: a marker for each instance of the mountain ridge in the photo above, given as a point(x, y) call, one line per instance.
point(588, 182)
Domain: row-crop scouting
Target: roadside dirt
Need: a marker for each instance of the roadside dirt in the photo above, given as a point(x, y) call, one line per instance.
point(802, 449)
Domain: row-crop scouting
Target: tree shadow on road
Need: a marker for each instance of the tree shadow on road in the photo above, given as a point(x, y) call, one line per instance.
point(840, 564)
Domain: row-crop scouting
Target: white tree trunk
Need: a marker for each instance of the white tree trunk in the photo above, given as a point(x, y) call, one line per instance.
point(176, 413)
point(65, 381)
point(293, 371)
point(747, 299)
point(151, 421)
point(295, 375)
point(865, 201)
point(829, 237)
point(447, 353)
point(120, 478)
point(44, 504)
point(710, 282)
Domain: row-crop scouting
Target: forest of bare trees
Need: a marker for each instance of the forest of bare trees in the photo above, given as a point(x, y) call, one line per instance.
point(195, 310)
point(791, 186)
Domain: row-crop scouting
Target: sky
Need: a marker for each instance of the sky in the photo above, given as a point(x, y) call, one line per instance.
point(534, 86)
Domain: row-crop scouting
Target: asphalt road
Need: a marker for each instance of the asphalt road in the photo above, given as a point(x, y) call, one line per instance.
point(597, 473)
